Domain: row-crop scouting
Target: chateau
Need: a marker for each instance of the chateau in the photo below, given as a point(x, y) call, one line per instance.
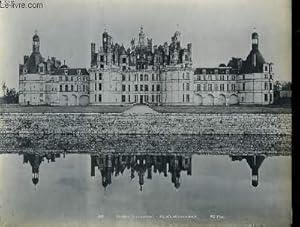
point(145, 73)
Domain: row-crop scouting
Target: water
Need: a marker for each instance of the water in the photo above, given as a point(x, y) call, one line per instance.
point(99, 187)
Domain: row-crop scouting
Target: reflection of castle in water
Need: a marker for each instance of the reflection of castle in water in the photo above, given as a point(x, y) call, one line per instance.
point(254, 161)
point(35, 161)
point(109, 164)
point(142, 165)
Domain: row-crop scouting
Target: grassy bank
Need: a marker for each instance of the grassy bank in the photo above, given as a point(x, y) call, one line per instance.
point(13, 108)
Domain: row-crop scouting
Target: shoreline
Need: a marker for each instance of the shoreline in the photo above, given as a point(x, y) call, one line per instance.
point(274, 109)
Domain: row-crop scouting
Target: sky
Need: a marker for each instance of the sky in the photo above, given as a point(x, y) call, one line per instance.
point(217, 29)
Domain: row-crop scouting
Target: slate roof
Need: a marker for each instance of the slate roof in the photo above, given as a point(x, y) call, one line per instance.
point(254, 57)
point(32, 63)
point(71, 71)
point(221, 70)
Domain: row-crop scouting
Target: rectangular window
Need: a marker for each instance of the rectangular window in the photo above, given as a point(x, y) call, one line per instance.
point(60, 88)
point(198, 87)
point(124, 60)
point(72, 87)
point(123, 98)
point(123, 77)
point(100, 87)
point(153, 87)
point(141, 77)
point(135, 98)
point(100, 76)
point(216, 87)
point(266, 86)
point(146, 87)
point(136, 87)
point(266, 97)
point(101, 58)
point(152, 98)
point(232, 87)
point(187, 86)
point(187, 98)
point(128, 98)
point(152, 76)
point(210, 87)
point(271, 98)
point(204, 87)
point(141, 87)
point(66, 87)
point(128, 87)
point(123, 87)
point(183, 98)
point(99, 98)
point(243, 77)
point(146, 77)
point(271, 86)
point(158, 87)
point(95, 87)
point(95, 98)
point(244, 86)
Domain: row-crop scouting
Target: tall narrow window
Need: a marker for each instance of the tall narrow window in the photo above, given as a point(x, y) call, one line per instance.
point(100, 87)
point(266, 97)
point(266, 86)
point(187, 98)
point(99, 98)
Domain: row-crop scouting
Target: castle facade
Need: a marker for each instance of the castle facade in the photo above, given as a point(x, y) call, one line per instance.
point(145, 73)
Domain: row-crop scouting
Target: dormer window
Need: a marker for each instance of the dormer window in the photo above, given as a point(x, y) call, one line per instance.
point(41, 69)
point(66, 72)
point(78, 71)
point(266, 68)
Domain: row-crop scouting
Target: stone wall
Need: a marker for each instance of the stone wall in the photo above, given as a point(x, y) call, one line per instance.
point(191, 124)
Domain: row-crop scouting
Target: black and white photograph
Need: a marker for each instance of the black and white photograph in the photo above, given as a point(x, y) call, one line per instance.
point(145, 113)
